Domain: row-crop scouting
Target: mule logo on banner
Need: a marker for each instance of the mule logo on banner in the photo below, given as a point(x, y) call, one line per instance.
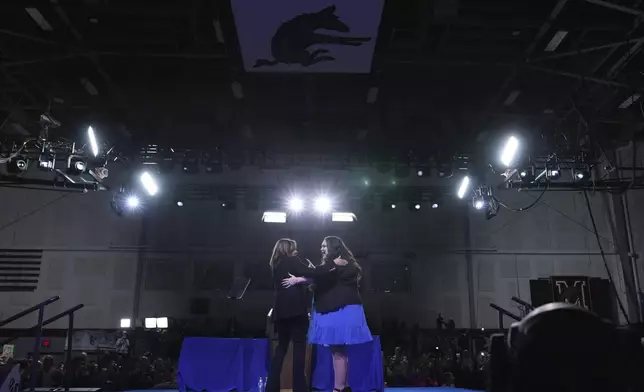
point(307, 36)
point(571, 289)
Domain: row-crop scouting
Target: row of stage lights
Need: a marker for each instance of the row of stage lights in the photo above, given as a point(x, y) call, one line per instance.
point(482, 197)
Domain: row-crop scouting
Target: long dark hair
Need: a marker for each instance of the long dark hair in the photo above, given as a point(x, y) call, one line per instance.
point(335, 248)
point(283, 247)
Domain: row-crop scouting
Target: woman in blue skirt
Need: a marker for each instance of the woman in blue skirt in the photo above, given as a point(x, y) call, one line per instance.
point(338, 318)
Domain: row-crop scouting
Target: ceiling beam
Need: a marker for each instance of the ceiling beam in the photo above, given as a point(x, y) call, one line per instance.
point(587, 50)
point(616, 7)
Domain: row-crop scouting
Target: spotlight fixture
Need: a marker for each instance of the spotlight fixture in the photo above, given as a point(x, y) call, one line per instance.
point(464, 187)
point(295, 204)
point(434, 206)
point(527, 175)
point(132, 202)
point(554, 174)
point(156, 322)
point(509, 152)
point(125, 203)
point(343, 217)
point(322, 204)
point(581, 175)
point(483, 199)
point(92, 141)
point(150, 323)
point(414, 206)
point(393, 206)
point(46, 161)
point(76, 164)
point(126, 323)
point(228, 205)
point(18, 164)
point(149, 183)
point(478, 202)
point(274, 217)
point(179, 203)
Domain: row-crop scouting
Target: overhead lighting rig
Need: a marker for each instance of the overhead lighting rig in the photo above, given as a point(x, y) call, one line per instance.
point(60, 162)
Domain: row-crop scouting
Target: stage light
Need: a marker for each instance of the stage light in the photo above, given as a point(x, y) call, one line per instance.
point(509, 152)
point(296, 204)
point(420, 172)
point(393, 206)
point(92, 141)
point(150, 323)
point(46, 161)
point(343, 217)
point(132, 202)
point(464, 187)
point(76, 164)
point(229, 205)
point(179, 203)
point(435, 206)
point(274, 217)
point(554, 174)
point(126, 323)
point(582, 175)
point(527, 176)
point(162, 322)
point(478, 203)
point(322, 204)
point(149, 183)
point(18, 164)
point(414, 206)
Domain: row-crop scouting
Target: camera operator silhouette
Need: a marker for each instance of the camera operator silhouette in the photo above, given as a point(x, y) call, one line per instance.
point(291, 42)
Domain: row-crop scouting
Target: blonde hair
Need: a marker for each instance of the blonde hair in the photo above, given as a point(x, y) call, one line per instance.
point(283, 247)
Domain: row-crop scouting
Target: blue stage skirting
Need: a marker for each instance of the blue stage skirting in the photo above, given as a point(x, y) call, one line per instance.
point(220, 365)
point(365, 367)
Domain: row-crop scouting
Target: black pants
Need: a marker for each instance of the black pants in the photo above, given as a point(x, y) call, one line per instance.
point(291, 329)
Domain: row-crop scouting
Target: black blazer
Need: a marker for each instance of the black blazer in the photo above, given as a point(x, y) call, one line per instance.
point(338, 290)
point(295, 300)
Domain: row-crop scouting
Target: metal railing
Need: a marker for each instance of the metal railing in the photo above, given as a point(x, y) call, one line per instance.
point(503, 312)
point(36, 353)
point(529, 307)
point(38, 330)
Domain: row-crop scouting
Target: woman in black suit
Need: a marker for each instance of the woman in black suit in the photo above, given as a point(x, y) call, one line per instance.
point(290, 311)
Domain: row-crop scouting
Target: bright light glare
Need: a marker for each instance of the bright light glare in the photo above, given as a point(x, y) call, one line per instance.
point(162, 322)
point(149, 184)
point(509, 151)
point(296, 204)
point(343, 217)
point(322, 204)
point(417, 206)
point(92, 141)
point(133, 202)
point(393, 206)
point(435, 205)
point(479, 204)
point(150, 323)
point(465, 184)
point(274, 217)
point(126, 323)
point(180, 203)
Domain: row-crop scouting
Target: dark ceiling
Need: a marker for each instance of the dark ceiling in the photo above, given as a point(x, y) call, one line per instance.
point(445, 72)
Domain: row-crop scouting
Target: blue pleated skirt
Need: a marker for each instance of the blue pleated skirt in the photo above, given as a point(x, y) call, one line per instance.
point(345, 326)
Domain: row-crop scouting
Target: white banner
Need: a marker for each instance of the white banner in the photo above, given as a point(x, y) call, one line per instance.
point(12, 382)
point(94, 340)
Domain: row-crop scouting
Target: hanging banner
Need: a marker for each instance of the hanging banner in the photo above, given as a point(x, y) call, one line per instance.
point(8, 351)
point(572, 290)
point(313, 36)
point(94, 340)
point(10, 378)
